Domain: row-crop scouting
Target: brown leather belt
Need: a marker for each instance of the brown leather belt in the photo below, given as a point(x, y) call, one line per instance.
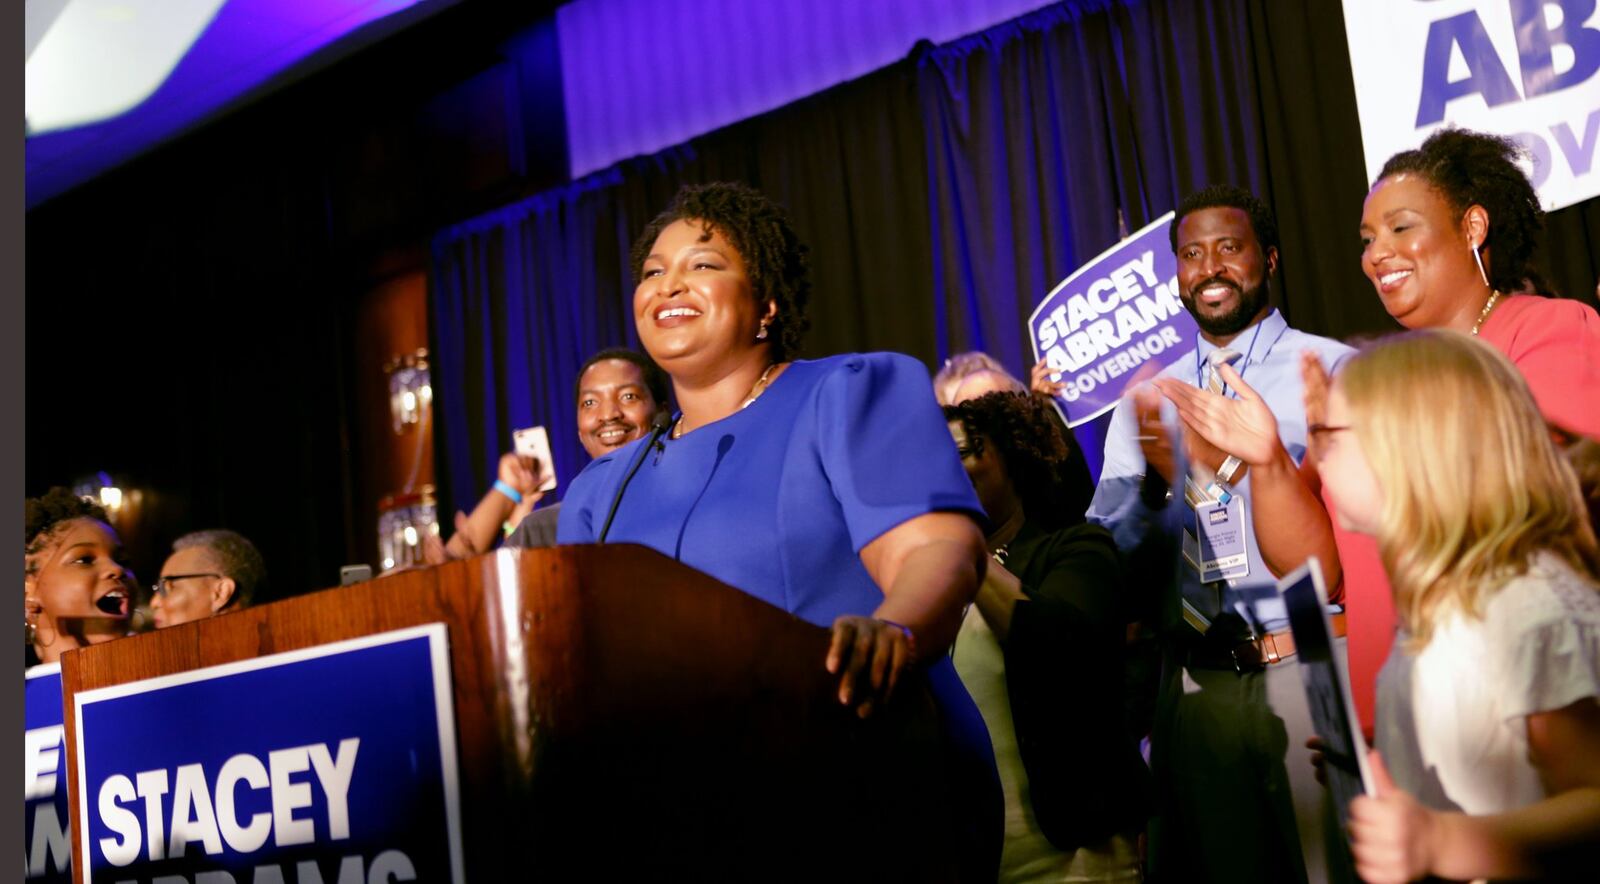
point(1274, 647)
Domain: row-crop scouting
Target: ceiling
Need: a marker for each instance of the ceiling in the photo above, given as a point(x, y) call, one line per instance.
point(108, 80)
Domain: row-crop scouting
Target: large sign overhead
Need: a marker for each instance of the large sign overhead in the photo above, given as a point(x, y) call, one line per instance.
point(1528, 69)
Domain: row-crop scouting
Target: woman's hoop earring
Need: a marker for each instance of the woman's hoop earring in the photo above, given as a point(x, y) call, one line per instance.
point(1477, 256)
point(29, 634)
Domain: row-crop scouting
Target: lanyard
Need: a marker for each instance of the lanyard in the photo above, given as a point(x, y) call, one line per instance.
point(1199, 377)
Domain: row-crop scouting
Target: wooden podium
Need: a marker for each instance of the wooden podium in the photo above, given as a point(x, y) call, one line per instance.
point(618, 713)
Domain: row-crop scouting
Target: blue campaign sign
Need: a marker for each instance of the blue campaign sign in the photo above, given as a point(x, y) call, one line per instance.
point(1111, 316)
point(330, 764)
point(46, 835)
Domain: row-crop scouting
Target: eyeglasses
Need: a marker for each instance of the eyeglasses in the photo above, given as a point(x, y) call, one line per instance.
point(164, 585)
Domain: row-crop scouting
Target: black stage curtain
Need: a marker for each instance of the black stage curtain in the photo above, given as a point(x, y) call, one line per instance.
point(1051, 136)
point(523, 295)
point(945, 195)
point(194, 346)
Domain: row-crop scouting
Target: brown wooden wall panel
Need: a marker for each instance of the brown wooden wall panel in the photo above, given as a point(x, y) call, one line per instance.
point(391, 320)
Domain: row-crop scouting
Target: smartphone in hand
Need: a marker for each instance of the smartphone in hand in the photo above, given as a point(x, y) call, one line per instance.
point(534, 442)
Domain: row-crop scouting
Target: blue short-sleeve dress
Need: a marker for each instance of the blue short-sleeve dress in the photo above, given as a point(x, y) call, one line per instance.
point(779, 498)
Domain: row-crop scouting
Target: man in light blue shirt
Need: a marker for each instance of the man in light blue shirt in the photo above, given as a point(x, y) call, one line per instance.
point(1237, 799)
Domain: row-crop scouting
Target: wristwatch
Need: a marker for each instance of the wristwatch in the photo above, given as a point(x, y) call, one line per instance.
point(1229, 468)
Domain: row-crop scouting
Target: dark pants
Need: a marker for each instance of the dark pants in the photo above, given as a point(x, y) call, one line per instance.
point(1229, 758)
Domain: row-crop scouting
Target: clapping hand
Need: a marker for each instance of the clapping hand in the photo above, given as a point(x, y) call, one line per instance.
point(1244, 427)
point(868, 656)
point(1314, 384)
point(1155, 443)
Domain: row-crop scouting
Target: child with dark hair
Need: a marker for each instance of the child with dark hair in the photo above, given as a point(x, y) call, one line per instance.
point(77, 591)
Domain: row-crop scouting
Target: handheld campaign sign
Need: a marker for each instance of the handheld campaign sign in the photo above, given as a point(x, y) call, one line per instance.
point(333, 763)
point(1526, 69)
point(44, 790)
point(1109, 317)
point(1327, 681)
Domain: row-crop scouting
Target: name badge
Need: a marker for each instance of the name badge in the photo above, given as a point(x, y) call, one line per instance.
point(1223, 551)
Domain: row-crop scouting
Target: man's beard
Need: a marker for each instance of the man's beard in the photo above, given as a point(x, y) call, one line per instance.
point(1251, 302)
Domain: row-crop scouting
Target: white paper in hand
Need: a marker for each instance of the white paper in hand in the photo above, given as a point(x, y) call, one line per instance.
point(1327, 681)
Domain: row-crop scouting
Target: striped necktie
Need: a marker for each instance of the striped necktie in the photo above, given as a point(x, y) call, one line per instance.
point(1201, 480)
point(1220, 356)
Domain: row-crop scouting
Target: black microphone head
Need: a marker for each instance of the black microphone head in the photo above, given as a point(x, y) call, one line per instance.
point(661, 422)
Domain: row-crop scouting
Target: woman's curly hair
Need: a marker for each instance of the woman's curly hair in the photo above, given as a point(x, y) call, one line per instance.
point(55, 507)
point(774, 257)
point(1046, 469)
point(1475, 169)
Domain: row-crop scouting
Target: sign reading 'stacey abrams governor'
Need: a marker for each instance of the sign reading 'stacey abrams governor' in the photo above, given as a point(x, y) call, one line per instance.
point(45, 835)
point(330, 765)
point(1111, 316)
point(1528, 69)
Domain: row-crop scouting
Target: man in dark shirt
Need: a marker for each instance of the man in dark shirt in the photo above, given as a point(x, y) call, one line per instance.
point(619, 393)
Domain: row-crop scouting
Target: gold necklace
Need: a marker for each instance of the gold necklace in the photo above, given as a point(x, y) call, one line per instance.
point(757, 389)
point(1494, 295)
point(1012, 527)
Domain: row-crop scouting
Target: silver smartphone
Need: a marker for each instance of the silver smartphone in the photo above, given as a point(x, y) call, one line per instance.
point(534, 442)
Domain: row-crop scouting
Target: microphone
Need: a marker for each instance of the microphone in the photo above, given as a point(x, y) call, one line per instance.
point(658, 428)
point(659, 425)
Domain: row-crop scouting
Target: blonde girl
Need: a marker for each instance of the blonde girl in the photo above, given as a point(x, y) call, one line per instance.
point(1488, 724)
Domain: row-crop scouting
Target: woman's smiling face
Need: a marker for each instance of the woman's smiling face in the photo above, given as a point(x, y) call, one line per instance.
point(1416, 254)
point(694, 302)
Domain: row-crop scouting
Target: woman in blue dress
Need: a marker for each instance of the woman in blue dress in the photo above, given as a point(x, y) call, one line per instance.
point(829, 488)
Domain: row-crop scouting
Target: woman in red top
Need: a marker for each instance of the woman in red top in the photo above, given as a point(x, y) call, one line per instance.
point(1448, 232)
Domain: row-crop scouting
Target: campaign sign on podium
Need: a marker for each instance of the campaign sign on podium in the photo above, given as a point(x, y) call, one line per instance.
point(45, 833)
point(330, 764)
